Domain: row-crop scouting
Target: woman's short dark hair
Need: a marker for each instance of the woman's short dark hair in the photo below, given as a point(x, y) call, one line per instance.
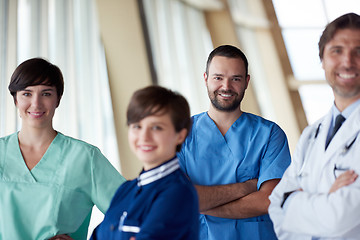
point(154, 100)
point(346, 21)
point(36, 71)
point(228, 51)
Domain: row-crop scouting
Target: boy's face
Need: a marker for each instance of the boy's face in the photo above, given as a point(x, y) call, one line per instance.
point(154, 139)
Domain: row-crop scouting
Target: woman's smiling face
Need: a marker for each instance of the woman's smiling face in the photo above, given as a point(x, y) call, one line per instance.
point(36, 105)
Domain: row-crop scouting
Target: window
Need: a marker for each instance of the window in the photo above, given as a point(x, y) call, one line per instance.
point(302, 22)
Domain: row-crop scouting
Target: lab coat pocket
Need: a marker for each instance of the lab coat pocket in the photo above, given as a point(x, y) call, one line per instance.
point(347, 157)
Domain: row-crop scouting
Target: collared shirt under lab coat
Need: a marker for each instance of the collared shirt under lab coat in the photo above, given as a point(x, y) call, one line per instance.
point(314, 212)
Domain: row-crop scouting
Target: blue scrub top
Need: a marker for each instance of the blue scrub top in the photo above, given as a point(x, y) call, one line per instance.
point(253, 147)
point(160, 204)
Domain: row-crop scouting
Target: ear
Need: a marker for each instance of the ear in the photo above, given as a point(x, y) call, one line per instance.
point(181, 136)
point(15, 99)
point(205, 77)
point(247, 81)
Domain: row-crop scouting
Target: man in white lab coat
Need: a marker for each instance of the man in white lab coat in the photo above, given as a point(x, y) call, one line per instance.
point(319, 194)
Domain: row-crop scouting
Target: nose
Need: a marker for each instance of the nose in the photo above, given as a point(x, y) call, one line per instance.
point(36, 100)
point(145, 134)
point(226, 83)
point(348, 59)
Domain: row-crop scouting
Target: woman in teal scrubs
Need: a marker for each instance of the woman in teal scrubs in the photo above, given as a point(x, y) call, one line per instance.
point(49, 182)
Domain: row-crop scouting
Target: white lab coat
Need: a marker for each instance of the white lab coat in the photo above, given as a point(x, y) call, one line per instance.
point(314, 212)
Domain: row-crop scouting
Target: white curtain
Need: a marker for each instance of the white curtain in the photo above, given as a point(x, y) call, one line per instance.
point(66, 33)
point(180, 43)
point(8, 119)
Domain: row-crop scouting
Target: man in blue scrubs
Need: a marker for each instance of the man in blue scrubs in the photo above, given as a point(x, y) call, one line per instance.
point(234, 158)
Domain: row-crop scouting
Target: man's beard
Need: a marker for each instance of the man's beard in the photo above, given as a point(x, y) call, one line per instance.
point(225, 106)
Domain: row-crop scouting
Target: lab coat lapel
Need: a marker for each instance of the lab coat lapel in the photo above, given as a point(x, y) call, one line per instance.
point(315, 159)
point(325, 125)
point(346, 133)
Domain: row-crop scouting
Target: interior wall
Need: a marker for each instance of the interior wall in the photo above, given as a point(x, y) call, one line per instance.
point(128, 69)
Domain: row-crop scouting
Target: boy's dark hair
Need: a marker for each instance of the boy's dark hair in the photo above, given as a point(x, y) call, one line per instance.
point(158, 100)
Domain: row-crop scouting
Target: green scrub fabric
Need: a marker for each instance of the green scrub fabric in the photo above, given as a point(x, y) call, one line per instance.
point(57, 195)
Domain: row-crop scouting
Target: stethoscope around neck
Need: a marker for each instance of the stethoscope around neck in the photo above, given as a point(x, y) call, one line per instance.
point(343, 152)
point(345, 149)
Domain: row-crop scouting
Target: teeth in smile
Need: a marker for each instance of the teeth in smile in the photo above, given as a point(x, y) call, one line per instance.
point(146, 148)
point(226, 95)
point(347, 76)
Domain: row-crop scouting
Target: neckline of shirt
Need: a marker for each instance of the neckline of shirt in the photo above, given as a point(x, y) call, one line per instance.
point(347, 111)
point(158, 172)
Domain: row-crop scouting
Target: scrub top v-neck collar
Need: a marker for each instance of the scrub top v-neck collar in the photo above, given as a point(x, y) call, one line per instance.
point(44, 169)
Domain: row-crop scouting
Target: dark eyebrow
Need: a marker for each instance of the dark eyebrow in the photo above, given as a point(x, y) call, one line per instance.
point(336, 46)
point(48, 89)
point(44, 90)
point(233, 76)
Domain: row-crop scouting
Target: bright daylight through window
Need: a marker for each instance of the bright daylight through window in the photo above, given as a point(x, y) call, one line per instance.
point(302, 22)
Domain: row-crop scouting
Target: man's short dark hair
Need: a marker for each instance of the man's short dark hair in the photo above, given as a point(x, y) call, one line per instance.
point(346, 21)
point(227, 51)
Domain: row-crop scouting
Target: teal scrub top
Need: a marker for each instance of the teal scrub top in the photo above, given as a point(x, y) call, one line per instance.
point(57, 195)
point(253, 147)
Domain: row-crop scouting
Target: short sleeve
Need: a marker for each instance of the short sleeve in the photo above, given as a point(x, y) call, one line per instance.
point(105, 180)
point(276, 158)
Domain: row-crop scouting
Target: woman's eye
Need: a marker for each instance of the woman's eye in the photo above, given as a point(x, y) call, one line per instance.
point(26, 94)
point(46, 94)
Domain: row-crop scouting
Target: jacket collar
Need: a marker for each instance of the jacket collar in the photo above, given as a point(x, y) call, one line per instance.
point(158, 172)
point(346, 134)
